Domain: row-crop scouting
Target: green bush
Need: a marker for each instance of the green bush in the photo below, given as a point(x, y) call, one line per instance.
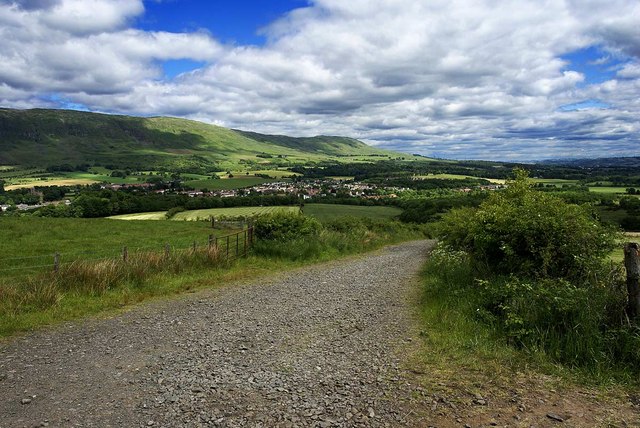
point(526, 232)
point(285, 226)
point(580, 324)
point(295, 237)
point(173, 211)
point(534, 268)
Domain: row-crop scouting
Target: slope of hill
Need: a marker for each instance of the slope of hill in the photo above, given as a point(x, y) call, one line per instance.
point(41, 138)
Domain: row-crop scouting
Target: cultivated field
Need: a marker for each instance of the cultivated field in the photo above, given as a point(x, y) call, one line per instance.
point(458, 177)
point(206, 214)
point(231, 212)
point(28, 183)
point(156, 215)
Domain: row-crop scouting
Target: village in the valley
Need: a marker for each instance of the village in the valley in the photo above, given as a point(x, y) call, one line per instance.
point(305, 189)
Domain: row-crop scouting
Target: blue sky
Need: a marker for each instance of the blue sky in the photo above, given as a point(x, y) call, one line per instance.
point(236, 22)
point(232, 22)
point(471, 79)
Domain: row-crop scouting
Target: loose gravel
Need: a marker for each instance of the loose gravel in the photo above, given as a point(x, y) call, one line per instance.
point(322, 346)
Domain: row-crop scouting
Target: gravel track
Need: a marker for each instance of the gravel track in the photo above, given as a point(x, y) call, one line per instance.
point(321, 346)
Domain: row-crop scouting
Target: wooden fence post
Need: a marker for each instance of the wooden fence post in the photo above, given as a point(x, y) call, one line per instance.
point(210, 241)
point(227, 246)
point(125, 254)
point(245, 240)
point(237, 244)
point(194, 246)
point(56, 262)
point(632, 264)
point(213, 222)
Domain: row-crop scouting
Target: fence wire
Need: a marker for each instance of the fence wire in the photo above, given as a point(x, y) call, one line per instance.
point(232, 245)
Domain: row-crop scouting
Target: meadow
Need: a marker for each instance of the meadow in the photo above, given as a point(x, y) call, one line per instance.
point(28, 244)
point(328, 212)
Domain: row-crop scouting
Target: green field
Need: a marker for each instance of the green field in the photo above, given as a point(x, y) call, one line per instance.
point(324, 212)
point(29, 242)
point(228, 183)
point(459, 177)
point(206, 214)
point(608, 189)
point(230, 212)
point(156, 215)
point(276, 173)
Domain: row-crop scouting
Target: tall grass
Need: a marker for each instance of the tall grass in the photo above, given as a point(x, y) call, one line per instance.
point(582, 327)
point(94, 278)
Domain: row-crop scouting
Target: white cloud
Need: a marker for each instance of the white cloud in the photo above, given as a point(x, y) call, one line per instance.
point(467, 78)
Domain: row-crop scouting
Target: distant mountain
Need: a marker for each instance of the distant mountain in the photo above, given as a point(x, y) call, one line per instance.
point(623, 162)
point(43, 138)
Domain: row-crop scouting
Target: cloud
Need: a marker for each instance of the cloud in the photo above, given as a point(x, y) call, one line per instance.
point(30, 4)
point(449, 78)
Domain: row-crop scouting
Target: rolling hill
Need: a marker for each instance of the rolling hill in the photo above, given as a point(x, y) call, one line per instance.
point(43, 138)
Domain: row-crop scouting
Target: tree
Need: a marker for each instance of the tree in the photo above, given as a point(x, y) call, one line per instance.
point(92, 206)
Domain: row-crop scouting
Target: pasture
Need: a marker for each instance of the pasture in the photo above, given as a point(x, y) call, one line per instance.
point(326, 212)
point(28, 243)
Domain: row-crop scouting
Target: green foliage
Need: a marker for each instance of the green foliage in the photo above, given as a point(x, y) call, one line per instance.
point(428, 210)
point(578, 324)
point(335, 238)
point(173, 211)
point(630, 203)
point(285, 226)
point(533, 267)
point(92, 206)
point(526, 232)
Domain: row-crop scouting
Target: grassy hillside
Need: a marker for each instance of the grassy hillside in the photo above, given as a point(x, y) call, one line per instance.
point(41, 138)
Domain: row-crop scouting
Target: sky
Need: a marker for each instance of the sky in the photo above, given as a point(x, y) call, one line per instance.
point(507, 80)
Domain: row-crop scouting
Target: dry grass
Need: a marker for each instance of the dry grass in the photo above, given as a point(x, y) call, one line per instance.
point(43, 291)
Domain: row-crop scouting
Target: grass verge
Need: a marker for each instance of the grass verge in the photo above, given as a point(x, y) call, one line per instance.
point(459, 334)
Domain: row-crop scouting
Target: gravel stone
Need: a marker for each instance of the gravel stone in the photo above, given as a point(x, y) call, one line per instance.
point(321, 346)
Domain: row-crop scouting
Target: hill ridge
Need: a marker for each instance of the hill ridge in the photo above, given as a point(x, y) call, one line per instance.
point(45, 137)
